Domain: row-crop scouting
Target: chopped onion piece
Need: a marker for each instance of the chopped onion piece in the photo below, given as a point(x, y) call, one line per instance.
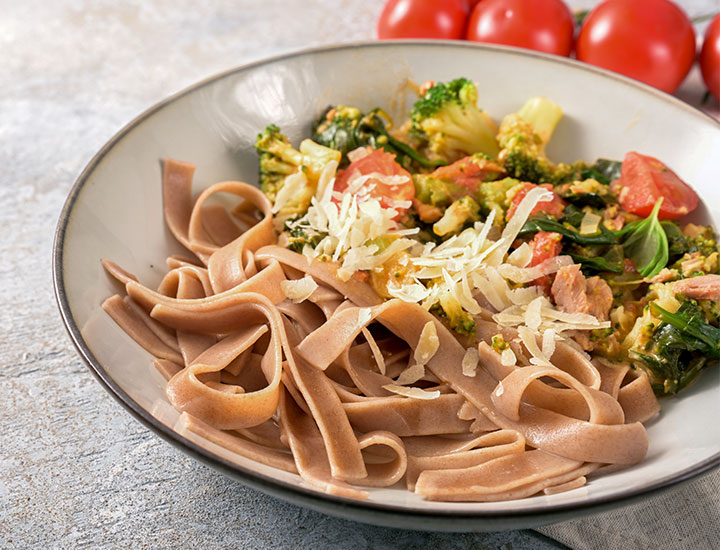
point(590, 223)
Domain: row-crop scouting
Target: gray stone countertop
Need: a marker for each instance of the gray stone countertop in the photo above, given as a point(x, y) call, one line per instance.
point(76, 471)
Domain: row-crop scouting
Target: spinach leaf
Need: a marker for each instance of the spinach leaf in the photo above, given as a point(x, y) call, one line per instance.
point(586, 199)
point(573, 215)
point(612, 260)
point(690, 321)
point(677, 243)
point(604, 171)
point(602, 236)
point(647, 244)
point(680, 347)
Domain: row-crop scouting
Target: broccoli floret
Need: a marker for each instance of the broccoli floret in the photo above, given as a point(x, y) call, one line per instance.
point(475, 176)
point(499, 344)
point(456, 215)
point(493, 195)
point(457, 318)
point(346, 128)
point(703, 241)
point(299, 237)
point(449, 124)
point(279, 160)
point(435, 191)
point(523, 136)
point(681, 345)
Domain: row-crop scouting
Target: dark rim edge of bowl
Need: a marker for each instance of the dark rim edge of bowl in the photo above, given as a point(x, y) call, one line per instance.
point(368, 511)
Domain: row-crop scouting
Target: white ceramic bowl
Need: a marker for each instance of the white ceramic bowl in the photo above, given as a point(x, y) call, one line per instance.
point(114, 211)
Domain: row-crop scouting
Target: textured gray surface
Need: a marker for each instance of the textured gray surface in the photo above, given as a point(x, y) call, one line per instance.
point(76, 470)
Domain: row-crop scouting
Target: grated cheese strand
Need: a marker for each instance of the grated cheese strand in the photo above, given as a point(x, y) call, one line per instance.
point(413, 393)
point(375, 349)
point(410, 375)
point(299, 290)
point(514, 226)
point(528, 338)
point(427, 345)
point(507, 358)
point(470, 362)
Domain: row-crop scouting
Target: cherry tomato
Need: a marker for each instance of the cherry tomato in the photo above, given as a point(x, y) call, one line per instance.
point(423, 19)
point(470, 4)
point(381, 163)
point(650, 40)
point(545, 245)
point(710, 57)
point(645, 179)
point(543, 25)
point(554, 207)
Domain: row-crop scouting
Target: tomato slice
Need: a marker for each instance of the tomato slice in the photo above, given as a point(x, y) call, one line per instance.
point(388, 192)
point(645, 179)
point(545, 245)
point(554, 207)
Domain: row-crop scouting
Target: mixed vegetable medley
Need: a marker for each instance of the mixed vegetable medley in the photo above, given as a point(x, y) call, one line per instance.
point(419, 211)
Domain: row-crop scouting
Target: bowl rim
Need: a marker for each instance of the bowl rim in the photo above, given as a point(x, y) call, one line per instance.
point(362, 510)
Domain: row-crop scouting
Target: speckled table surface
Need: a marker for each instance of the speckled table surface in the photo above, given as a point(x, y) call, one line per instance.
point(76, 470)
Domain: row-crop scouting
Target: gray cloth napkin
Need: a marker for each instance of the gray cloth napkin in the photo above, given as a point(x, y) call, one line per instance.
point(688, 517)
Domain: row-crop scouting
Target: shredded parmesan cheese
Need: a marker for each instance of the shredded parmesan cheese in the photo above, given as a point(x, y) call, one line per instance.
point(299, 290)
point(519, 218)
point(528, 338)
point(523, 296)
point(470, 362)
point(410, 375)
point(357, 154)
point(533, 313)
point(326, 179)
point(507, 358)
point(527, 274)
point(428, 344)
point(375, 349)
point(414, 393)
point(521, 256)
point(548, 343)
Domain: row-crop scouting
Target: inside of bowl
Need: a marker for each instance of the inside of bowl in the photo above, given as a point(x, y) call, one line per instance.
point(116, 211)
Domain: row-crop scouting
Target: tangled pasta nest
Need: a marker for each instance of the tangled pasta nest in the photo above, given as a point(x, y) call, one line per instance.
point(339, 387)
